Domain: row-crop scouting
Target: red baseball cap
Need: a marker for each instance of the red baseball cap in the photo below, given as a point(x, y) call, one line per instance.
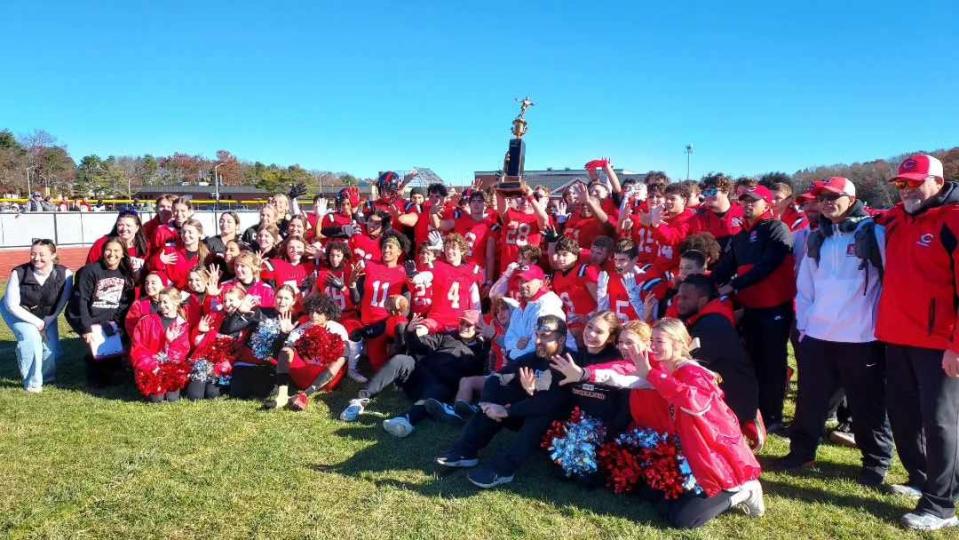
point(810, 194)
point(918, 167)
point(836, 184)
point(758, 192)
point(531, 272)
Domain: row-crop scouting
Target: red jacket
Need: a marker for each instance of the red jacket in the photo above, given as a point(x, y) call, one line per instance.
point(721, 226)
point(917, 307)
point(794, 218)
point(709, 433)
point(149, 339)
point(717, 305)
point(177, 273)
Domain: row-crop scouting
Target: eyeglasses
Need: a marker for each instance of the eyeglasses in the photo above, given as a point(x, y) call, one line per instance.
point(902, 184)
point(830, 197)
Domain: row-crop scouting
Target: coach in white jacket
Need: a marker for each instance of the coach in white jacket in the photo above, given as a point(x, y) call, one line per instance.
point(535, 301)
point(838, 287)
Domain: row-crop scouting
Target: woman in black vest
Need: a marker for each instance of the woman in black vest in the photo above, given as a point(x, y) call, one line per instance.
point(101, 297)
point(36, 294)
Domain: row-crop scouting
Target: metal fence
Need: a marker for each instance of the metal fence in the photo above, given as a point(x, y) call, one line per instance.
point(83, 228)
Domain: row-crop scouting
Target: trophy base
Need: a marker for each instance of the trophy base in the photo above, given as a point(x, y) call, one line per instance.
point(511, 185)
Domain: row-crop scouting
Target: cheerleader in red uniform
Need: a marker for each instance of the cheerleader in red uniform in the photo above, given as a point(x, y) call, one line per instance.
point(674, 394)
point(160, 344)
point(246, 267)
point(216, 339)
point(147, 304)
point(204, 285)
point(313, 357)
point(190, 253)
point(166, 236)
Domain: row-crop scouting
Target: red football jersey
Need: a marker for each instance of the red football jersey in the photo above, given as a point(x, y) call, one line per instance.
point(340, 296)
point(421, 289)
point(571, 288)
point(519, 230)
point(458, 291)
point(586, 229)
point(285, 273)
point(380, 283)
point(477, 234)
point(421, 231)
point(366, 248)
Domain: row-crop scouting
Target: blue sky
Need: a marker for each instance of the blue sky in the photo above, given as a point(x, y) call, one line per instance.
point(754, 86)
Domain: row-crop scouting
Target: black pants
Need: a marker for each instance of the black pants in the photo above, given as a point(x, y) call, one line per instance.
point(859, 368)
point(202, 389)
point(692, 511)
point(101, 373)
point(924, 411)
point(480, 429)
point(766, 333)
point(416, 379)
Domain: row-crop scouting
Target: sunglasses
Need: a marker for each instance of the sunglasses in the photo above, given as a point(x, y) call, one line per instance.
point(911, 184)
point(711, 192)
point(830, 197)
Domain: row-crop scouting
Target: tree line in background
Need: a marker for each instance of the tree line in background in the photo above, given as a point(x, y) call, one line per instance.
point(38, 157)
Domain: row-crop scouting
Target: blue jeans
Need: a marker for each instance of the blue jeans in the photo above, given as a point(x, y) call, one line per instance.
point(37, 353)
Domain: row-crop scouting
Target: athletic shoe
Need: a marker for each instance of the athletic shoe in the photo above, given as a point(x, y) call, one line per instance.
point(749, 499)
point(300, 402)
point(843, 436)
point(870, 479)
point(487, 478)
point(278, 397)
point(905, 490)
point(792, 463)
point(456, 461)
point(353, 411)
point(356, 376)
point(34, 390)
point(398, 427)
point(927, 522)
point(442, 412)
point(465, 409)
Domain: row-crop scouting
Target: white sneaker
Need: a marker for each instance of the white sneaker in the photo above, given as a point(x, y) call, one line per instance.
point(927, 522)
point(398, 427)
point(356, 376)
point(749, 499)
point(34, 390)
point(905, 490)
point(353, 411)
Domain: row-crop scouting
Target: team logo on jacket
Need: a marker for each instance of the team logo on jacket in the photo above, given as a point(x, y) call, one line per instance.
point(925, 240)
point(753, 236)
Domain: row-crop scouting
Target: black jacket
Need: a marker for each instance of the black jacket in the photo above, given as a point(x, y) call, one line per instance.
point(721, 350)
point(758, 263)
point(448, 356)
point(99, 296)
point(611, 405)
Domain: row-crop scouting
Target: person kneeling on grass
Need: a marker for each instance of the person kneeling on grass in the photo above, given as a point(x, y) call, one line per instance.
point(525, 395)
point(160, 344)
point(297, 364)
point(432, 370)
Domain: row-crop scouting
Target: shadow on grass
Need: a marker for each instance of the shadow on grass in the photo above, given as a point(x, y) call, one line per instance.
point(537, 480)
point(880, 508)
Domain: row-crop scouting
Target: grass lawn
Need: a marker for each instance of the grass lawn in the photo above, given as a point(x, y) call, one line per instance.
point(75, 464)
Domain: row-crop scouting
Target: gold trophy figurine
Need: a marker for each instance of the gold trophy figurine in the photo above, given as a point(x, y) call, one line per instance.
point(511, 183)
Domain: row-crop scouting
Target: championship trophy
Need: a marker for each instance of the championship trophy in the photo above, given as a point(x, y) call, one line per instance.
point(511, 183)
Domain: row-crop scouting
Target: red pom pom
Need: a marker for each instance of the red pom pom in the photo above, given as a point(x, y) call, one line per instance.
point(319, 346)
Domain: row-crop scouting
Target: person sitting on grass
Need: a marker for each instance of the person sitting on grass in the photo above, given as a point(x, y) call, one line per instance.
point(673, 393)
point(311, 375)
point(525, 395)
point(432, 369)
point(160, 345)
point(36, 294)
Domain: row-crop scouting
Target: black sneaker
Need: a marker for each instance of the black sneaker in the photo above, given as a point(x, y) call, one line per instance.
point(458, 461)
point(778, 428)
point(487, 478)
point(443, 412)
point(870, 479)
point(792, 463)
point(465, 409)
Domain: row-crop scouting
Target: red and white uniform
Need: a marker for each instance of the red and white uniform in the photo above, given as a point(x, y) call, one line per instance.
point(366, 248)
point(177, 273)
point(570, 286)
point(262, 291)
point(722, 226)
point(421, 289)
point(458, 292)
point(624, 294)
point(380, 282)
point(668, 236)
point(586, 229)
point(148, 341)
point(520, 229)
point(477, 234)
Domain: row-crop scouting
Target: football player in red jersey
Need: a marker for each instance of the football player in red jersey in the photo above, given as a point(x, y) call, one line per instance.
point(365, 244)
point(480, 230)
point(575, 283)
point(718, 215)
point(623, 292)
point(590, 218)
point(371, 284)
point(332, 281)
point(460, 286)
point(669, 225)
point(421, 284)
point(523, 219)
point(340, 224)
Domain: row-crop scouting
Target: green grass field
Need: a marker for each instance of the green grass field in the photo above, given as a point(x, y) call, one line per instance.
point(75, 464)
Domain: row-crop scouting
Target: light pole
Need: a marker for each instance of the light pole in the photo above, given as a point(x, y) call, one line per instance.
point(216, 186)
point(27, 169)
point(689, 152)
